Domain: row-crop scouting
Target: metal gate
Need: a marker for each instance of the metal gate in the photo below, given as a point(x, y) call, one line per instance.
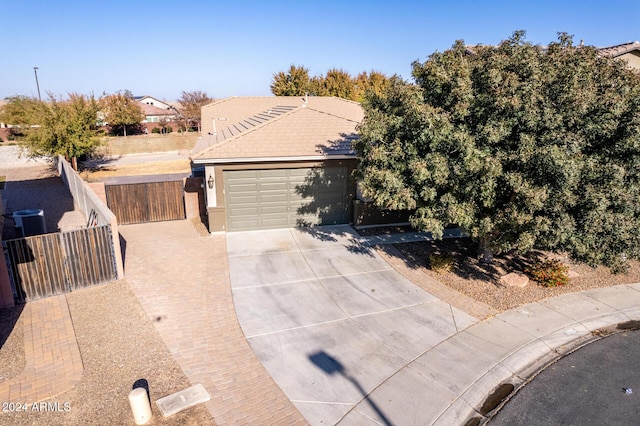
point(146, 202)
point(51, 264)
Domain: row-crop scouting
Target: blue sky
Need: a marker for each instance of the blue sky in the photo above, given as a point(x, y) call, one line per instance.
point(233, 48)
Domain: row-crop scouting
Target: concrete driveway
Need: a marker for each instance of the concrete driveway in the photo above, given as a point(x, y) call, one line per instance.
point(332, 322)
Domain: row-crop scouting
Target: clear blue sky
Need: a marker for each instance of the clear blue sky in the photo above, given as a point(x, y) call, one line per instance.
point(227, 48)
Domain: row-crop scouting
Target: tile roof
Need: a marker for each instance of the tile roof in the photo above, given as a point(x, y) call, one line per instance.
point(620, 49)
point(323, 127)
point(221, 133)
point(148, 110)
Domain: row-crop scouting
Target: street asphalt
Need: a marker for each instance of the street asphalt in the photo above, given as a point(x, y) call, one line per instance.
point(596, 385)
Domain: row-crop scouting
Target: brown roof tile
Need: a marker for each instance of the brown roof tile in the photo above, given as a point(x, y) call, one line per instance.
point(323, 127)
point(620, 49)
point(148, 110)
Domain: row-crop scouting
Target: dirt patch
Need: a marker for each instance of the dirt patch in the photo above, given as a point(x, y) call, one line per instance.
point(140, 144)
point(139, 169)
point(482, 282)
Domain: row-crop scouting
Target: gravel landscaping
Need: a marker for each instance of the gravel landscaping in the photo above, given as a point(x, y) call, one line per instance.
point(482, 282)
point(12, 360)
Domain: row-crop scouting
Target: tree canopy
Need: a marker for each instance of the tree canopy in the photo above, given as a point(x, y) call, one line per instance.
point(58, 127)
point(120, 110)
point(520, 145)
point(295, 82)
point(191, 104)
point(336, 82)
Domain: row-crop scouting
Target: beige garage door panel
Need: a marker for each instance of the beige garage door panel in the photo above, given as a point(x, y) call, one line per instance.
point(283, 198)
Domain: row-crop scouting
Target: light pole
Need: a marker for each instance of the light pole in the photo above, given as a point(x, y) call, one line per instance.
point(35, 71)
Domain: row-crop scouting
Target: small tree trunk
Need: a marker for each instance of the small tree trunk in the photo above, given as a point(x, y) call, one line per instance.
point(74, 163)
point(485, 255)
point(125, 130)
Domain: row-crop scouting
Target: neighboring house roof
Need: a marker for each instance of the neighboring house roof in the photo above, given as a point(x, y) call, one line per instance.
point(282, 127)
point(619, 49)
point(150, 110)
point(611, 51)
point(151, 100)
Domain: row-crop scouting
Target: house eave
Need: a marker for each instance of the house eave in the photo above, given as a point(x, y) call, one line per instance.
point(272, 159)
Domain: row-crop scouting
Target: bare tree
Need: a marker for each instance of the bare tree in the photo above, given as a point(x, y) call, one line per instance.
point(191, 104)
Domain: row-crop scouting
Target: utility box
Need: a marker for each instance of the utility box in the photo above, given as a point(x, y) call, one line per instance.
point(30, 222)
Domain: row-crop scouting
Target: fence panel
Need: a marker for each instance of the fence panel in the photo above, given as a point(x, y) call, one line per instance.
point(166, 201)
point(37, 267)
point(89, 256)
point(146, 202)
point(128, 203)
point(51, 264)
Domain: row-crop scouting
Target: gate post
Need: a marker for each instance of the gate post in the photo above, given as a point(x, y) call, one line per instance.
point(6, 294)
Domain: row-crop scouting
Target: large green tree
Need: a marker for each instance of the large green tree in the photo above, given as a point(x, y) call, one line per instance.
point(57, 127)
point(374, 81)
point(294, 82)
point(336, 82)
point(120, 110)
point(520, 145)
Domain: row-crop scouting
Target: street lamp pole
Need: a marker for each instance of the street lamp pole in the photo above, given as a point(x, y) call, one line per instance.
point(35, 71)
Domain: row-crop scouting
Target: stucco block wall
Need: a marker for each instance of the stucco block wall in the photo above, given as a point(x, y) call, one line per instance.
point(194, 197)
point(6, 295)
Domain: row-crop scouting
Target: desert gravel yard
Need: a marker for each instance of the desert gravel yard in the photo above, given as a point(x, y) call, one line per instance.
point(482, 282)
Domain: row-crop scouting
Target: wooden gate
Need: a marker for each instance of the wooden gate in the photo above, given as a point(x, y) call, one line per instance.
point(51, 264)
point(146, 202)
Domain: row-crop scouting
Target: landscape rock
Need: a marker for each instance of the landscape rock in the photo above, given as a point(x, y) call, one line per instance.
point(572, 274)
point(515, 279)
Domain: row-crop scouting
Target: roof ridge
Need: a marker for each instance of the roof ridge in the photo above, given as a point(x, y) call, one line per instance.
point(620, 45)
point(230, 98)
point(332, 115)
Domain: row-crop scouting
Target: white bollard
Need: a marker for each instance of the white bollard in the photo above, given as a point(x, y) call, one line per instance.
point(140, 406)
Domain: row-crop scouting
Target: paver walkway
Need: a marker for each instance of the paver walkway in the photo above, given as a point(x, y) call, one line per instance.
point(182, 281)
point(53, 361)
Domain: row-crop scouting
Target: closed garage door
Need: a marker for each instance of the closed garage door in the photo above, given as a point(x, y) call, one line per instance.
point(286, 198)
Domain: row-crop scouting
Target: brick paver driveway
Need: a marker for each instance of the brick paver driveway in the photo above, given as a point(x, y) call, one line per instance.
point(182, 281)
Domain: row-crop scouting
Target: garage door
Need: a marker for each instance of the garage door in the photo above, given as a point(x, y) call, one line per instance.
point(286, 198)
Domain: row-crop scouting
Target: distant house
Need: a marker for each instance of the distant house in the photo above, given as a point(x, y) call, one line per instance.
point(148, 100)
point(154, 114)
point(155, 110)
point(629, 52)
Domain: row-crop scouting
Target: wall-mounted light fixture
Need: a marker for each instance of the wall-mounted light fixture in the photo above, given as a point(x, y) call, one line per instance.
point(210, 182)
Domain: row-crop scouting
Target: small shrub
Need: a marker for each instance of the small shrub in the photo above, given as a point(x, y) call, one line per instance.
point(155, 130)
point(441, 263)
point(549, 273)
point(168, 129)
